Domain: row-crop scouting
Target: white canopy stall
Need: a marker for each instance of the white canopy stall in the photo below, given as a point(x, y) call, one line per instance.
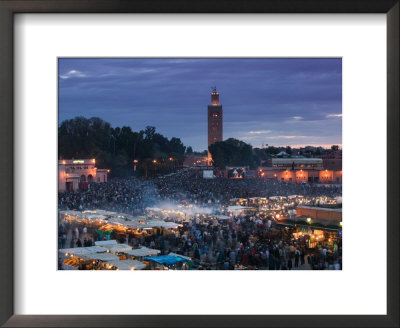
point(105, 242)
point(118, 248)
point(127, 264)
point(104, 257)
point(142, 252)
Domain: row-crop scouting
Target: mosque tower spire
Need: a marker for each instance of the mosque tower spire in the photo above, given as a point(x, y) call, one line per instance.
point(214, 118)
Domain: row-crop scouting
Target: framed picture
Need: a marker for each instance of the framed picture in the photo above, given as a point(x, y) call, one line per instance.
point(209, 163)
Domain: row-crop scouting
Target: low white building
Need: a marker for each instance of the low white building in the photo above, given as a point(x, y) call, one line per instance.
point(73, 173)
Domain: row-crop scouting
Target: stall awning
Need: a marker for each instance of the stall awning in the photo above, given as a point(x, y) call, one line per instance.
point(128, 264)
point(179, 255)
point(105, 257)
point(165, 259)
point(78, 251)
point(142, 252)
point(105, 242)
point(118, 248)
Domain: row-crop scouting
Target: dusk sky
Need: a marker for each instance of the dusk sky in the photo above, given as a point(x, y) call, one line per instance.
point(278, 102)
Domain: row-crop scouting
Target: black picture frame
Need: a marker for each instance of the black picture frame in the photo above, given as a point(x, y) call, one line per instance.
point(10, 7)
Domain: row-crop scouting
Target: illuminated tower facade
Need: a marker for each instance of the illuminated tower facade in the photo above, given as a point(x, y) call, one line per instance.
point(214, 118)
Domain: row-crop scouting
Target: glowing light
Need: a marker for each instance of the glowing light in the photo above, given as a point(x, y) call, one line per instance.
point(93, 160)
point(78, 161)
point(154, 161)
point(308, 220)
point(108, 171)
point(135, 161)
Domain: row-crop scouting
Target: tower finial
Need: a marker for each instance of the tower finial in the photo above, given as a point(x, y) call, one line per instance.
point(214, 89)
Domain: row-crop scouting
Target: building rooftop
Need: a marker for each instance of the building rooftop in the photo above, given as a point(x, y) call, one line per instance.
point(76, 161)
point(297, 160)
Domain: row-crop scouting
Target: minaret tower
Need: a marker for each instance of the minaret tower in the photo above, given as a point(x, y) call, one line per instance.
point(214, 118)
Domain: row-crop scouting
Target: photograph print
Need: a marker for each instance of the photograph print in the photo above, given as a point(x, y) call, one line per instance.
point(199, 164)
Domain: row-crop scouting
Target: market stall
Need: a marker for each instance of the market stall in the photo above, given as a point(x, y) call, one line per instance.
point(142, 252)
point(117, 248)
point(165, 262)
point(126, 265)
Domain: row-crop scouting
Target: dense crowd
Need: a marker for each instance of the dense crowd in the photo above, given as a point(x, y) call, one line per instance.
point(190, 185)
point(249, 243)
point(244, 241)
point(132, 196)
point(120, 195)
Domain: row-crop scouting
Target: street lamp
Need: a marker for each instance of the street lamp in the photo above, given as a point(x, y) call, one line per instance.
point(154, 161)
point(308, 220)
point(171, 159)
point(135, 161)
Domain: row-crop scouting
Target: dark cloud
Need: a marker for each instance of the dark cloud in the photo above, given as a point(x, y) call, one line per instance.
point(173, 93)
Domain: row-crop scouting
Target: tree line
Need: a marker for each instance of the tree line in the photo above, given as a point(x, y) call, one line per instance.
point(119, 149)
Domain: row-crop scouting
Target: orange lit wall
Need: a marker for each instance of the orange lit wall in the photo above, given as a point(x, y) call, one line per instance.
point(319, 214)
point(301, 176)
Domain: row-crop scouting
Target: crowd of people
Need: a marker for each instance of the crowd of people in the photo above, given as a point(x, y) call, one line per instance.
point(248, 243)
point(189, 184)
point(132, 195)
point(244, 241)
point(233, 244)
point(129, 196)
